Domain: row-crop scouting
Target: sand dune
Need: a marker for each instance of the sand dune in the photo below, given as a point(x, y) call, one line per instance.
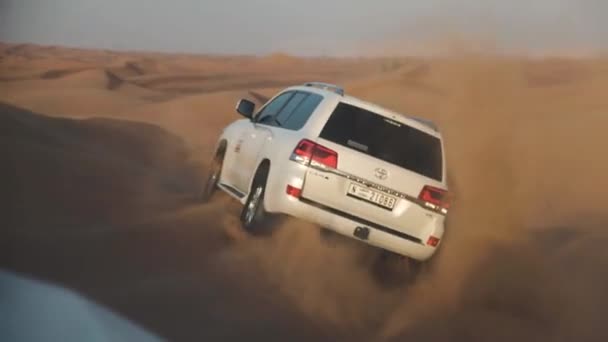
point(110, 205)
point(102, 196)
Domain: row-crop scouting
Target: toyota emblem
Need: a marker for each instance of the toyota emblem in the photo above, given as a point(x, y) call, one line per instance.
point(381, 173)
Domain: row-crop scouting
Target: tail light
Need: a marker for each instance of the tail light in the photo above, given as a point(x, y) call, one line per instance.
point(435, 198)
point(293, 191)
point(308, 152)
point(432, 241)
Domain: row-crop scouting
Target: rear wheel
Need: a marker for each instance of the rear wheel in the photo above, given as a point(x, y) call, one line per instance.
point(393, 269)
point(328, 236)
point(333, 239)
point(214, 173)
point(253, 214)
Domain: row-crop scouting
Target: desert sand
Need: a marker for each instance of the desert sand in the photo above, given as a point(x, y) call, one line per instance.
point(104, 153)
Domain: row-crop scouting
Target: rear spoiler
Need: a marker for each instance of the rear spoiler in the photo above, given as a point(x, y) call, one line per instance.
point(426, 122)
point(332, 87)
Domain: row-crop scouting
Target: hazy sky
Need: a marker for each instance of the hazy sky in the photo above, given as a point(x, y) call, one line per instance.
point(310, 27)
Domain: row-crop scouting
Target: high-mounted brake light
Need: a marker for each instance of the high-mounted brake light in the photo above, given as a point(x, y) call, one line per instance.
point(308, 152)
point(435, 198)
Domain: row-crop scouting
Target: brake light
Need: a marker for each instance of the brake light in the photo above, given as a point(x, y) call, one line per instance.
point(309, 152)
point(435, 197)
point(324, 156)
point(432, 241)
point(293, 191)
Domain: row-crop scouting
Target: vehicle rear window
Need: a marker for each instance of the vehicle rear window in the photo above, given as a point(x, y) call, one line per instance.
point(385, 139)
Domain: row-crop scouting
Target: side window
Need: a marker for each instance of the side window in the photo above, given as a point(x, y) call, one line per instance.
point(286, 112)
point(302, 112)
point(267, 114)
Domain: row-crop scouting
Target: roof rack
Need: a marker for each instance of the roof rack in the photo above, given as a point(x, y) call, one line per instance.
point(332, 87)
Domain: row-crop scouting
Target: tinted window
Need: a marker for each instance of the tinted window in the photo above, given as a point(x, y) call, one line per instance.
point(288, 109)
point(385, 139)
point(268, 112)
point(302, 112)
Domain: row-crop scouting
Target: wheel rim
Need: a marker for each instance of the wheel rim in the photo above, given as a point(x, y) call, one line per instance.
point(213, 178)
point(252, 206)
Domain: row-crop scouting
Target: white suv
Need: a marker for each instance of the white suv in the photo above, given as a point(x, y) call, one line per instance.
point(363, 171)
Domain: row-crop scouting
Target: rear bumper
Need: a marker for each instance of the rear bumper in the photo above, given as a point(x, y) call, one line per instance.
point(345, 224)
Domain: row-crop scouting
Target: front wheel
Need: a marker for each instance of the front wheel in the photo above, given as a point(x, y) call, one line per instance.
point(210, 186)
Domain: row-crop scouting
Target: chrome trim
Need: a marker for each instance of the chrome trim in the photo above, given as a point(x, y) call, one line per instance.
point(232, 190)
point(362, 221)
point(375, 186)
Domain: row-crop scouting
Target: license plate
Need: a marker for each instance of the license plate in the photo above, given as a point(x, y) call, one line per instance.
point(371, 196)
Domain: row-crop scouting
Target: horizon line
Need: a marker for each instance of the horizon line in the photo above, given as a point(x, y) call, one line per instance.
point(548, 54)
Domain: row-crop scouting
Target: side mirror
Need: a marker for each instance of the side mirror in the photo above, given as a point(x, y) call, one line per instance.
point(245, 108)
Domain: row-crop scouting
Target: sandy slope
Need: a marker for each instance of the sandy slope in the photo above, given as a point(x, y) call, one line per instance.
point(108, 208)
point(524, 254)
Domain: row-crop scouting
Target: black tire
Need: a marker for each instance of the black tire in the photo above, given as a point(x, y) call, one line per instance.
point(327, 236)
point(253, 215)
point(332, 239)
point(391, 269)
point(210, 186)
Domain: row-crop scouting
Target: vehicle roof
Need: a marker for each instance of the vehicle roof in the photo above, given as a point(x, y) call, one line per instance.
point(424, 125)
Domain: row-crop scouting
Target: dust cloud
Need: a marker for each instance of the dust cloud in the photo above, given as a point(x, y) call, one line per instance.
point(523, 256)
point(526, 227)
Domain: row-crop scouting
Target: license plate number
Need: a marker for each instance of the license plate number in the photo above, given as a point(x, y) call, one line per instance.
point(371, 196)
